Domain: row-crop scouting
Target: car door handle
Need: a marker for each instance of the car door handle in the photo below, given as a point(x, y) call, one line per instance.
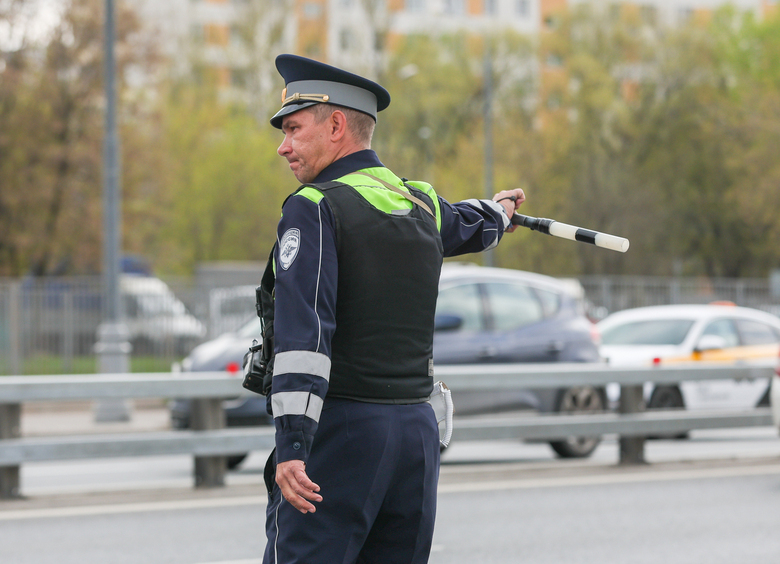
point(488, 352)
point(554, 347)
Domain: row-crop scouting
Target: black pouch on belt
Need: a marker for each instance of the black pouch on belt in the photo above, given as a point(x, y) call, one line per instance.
point(259, 359)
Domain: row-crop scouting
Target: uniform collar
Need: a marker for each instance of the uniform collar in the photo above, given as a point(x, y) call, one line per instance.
point(345, 165)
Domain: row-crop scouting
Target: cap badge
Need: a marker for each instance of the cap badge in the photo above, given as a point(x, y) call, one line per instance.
point(298, 97)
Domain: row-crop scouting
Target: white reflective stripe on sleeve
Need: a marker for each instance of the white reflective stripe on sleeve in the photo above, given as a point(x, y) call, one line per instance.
point(297, 403)
point(494, 206)
point(499, 209)
point(302, 362)
point(315, 407)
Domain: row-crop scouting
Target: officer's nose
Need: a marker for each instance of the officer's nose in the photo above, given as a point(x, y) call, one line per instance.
point(285, 148)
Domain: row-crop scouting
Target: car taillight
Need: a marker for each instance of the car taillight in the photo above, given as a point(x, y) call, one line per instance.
point(233, 368)
point(595, 335)
point(777, 369)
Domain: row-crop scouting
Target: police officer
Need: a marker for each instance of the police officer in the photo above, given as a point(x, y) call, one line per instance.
point(357, 262)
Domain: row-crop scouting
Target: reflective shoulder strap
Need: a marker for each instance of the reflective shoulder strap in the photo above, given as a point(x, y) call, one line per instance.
point(409, 197)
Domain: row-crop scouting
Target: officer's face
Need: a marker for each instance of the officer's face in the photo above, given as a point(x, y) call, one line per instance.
point(306, 145)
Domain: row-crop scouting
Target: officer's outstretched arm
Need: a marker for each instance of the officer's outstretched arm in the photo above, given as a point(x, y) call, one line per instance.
point(296, 486)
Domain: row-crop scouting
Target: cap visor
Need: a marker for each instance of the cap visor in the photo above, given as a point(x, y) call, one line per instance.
point(276, 121)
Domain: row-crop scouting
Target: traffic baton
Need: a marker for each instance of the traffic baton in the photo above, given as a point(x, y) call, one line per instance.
point(566, 231)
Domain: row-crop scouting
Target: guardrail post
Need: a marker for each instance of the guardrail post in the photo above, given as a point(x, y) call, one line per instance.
point(632, 449)
point(15, 328)
point(207, 414)
point(10, 428)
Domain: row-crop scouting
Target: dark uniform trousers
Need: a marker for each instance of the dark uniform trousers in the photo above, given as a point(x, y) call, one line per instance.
point(377, 466)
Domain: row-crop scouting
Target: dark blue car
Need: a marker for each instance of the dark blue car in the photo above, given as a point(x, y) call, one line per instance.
point(483, 315)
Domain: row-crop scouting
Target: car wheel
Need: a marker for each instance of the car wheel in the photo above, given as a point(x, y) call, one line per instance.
point(667, 397)
point(582, 399)
point(235, 461)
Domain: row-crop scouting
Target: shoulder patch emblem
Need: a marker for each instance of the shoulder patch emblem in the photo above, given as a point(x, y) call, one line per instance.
point(288, 248)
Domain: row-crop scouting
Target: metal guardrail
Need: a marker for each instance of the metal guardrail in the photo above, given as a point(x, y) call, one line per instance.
point(209, 441)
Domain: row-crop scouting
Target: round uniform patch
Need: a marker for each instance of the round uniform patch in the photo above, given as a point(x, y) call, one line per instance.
point(288, 248)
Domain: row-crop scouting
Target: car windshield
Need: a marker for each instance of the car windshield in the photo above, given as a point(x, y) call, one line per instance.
point(650, 332)
point(252, 329)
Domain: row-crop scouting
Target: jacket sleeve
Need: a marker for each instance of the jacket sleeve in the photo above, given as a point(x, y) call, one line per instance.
point(471, 226)
point(304, 322)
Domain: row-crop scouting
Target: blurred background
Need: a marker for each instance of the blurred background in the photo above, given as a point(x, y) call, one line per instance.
point(655, 120)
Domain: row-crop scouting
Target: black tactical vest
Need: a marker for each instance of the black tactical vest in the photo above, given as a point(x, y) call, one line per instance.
point(388, 278)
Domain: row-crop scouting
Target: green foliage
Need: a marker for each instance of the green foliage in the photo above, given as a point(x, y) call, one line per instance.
point(223, 183)
point(651, 144)
point(51, 100)
point(667, 136)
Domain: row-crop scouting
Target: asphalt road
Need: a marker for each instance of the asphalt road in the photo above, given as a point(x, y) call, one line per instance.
point(710, 499)
point(678, 512)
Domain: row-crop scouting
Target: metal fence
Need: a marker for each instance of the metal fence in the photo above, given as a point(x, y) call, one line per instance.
point(209, 442)
point(607, 294)
point(50, 325)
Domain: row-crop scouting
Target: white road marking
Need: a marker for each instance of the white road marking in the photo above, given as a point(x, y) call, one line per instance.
point(648, 475)
point(250, 561)
point(121, 508)
point(601, 479)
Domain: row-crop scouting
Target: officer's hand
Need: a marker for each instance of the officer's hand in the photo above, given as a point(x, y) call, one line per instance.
point(296, 486)
point(511, 200)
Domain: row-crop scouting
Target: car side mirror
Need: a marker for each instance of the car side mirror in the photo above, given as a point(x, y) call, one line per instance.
point(447, 322)
point(711, 343)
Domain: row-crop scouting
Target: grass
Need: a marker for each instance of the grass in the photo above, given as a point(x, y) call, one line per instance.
point(52, 364)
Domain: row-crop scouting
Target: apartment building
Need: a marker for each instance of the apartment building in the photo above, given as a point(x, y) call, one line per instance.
point(237, 39)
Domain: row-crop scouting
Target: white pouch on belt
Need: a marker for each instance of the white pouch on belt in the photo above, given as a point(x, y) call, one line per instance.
point(441, 400)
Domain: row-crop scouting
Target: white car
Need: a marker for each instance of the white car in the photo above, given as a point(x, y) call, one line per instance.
point(693, 333)
point(156, 318)
point(775, 397)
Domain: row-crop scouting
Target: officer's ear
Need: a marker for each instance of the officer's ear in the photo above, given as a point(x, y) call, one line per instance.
point(338, 125)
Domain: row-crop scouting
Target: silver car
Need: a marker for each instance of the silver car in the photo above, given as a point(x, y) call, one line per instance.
point(483, 315)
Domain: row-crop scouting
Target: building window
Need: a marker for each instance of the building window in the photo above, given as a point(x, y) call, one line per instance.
point(523, 8)
point(239, 78)
point(491, 7)
point(416, 6)
point(197, 34)
point(345, 40)
point(312, 10)
point(684, 15)
point(453, 6)
point(554, 60)
point(236, 36)
point(649, 15)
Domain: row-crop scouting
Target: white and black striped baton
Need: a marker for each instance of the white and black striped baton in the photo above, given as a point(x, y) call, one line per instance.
point(566, 231)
